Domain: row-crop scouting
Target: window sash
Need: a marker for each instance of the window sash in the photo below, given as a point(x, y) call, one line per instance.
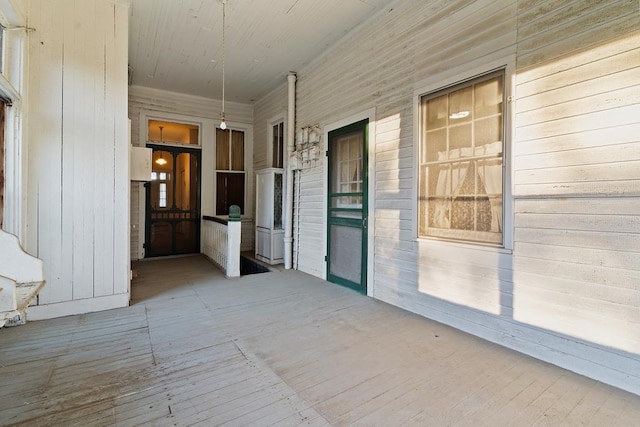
point(229, 150)
point(461, 178)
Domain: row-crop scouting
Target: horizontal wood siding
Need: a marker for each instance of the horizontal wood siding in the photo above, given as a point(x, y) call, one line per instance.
point(567, 291)
point(576, 163)
point(205, 109)
point(380, 66)
point(78, 194)
point(264, 110)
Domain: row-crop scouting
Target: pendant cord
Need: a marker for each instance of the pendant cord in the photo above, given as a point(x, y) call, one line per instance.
point(224, 4)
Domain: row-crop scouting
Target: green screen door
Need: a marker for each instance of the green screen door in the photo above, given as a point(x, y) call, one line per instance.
point(347, 207)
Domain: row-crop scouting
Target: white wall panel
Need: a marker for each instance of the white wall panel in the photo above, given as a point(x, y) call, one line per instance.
point(78, 153)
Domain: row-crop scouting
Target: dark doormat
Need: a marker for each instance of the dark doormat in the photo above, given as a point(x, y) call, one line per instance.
point(248, 266)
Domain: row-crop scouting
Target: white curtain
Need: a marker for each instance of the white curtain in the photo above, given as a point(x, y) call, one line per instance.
point(452, 176)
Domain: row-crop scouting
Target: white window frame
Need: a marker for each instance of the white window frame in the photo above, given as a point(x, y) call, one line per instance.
point(443, 81)
point(245, 172)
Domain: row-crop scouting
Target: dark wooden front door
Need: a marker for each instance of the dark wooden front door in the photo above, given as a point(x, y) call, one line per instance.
point(173, 202)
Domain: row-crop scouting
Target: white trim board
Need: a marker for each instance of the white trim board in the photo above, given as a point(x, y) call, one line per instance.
point(69, 308)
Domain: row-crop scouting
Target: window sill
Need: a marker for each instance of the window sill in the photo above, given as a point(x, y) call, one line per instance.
point(465, 245)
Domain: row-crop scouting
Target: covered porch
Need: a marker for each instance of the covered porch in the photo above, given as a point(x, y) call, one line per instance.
point(279, 348)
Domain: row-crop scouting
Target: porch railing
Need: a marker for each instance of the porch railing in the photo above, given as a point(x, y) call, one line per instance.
point(221, 241)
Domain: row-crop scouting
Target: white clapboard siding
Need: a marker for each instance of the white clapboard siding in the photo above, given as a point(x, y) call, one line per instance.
point(566, 291)
point(576, 162)
point(268, 107)
point(142, 99)
point(78, 158)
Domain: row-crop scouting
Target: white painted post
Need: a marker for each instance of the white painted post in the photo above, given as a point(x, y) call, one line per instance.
point(234, 227)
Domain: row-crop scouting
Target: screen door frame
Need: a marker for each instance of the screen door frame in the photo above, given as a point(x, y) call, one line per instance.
point(355, 219)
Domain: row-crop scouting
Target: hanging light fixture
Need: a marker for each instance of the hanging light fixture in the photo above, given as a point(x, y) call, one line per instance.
point(161, 161)
point(223, 124)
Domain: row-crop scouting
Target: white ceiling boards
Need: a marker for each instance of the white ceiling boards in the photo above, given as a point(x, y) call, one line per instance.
point(176, 45)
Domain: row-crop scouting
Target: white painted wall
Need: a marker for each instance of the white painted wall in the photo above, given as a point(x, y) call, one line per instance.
point(146, 102)
point(565, 287)
point(78, 188)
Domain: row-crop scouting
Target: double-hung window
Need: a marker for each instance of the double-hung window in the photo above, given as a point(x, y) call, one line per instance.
point(230, 171)
point(461, 161)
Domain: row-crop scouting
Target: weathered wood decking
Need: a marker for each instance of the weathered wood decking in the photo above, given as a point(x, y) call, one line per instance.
point(278, 349)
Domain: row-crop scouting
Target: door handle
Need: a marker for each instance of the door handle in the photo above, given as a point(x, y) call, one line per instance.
point(364, 222)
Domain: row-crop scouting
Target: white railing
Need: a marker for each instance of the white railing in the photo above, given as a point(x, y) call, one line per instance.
point(221, 243)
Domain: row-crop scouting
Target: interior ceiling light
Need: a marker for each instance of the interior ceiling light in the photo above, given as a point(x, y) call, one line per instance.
point(223, 124)
point(161, 161)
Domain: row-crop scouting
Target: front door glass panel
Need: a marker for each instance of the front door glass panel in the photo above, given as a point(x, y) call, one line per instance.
point(173, 202)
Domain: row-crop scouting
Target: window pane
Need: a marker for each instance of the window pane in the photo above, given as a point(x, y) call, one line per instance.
point(460, 105)
point(459, 138)
point(277, 201)
point(222, 149)
point(436, 112)
point(347, 156)
point(229, 191)
point(278, 145)
point(162, 195)
point(173, 133)
point(186, 174)
point(488, 130)
point(237, 151)
point(488, 97)
point(162, 187)
point(436, 146)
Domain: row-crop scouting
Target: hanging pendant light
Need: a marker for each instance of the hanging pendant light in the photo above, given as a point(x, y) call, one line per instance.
point(161, 161)
point(223, 124)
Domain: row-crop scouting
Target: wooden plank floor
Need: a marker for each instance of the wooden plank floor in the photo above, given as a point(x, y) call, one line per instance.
point(278, 349)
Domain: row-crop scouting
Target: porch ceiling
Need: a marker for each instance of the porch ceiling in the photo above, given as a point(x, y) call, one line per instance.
point(177, 45)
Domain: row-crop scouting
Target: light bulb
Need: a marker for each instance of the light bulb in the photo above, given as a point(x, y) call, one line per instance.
point(223, 125)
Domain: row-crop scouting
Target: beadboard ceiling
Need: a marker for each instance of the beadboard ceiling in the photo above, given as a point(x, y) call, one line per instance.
point(176, 45)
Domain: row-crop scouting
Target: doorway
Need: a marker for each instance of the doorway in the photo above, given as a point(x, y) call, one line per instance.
point(347, 206)
point(173, 202)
